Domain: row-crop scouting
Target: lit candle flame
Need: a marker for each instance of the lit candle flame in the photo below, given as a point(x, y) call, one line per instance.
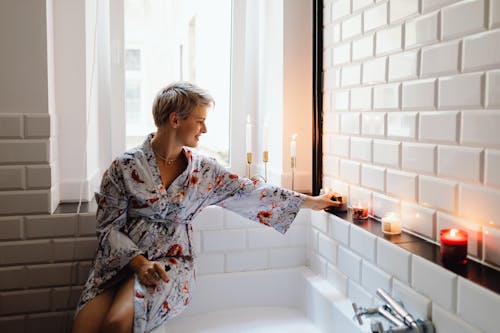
point(453, 232)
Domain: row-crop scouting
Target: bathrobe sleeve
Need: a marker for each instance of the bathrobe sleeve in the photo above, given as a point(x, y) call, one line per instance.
point(115, 249)
point(264, 203)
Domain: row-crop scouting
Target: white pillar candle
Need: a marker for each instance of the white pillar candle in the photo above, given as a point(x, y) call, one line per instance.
point(293, 146)
point(248, 136)
point(391, 224)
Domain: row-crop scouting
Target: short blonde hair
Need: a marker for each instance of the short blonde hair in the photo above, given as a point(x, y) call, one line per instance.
point(181, 98)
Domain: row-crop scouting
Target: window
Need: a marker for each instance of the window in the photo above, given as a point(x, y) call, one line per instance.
point(172, 40)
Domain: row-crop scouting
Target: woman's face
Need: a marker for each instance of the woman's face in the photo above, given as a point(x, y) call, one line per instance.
point(191, 128)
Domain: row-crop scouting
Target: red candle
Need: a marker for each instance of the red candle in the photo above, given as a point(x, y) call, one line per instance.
point(453, 245)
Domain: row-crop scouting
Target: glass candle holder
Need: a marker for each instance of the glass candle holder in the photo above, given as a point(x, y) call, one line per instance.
point(359, 212)
point(453, 245)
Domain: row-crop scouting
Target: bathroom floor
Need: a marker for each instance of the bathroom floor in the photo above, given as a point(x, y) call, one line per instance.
point(243, 320)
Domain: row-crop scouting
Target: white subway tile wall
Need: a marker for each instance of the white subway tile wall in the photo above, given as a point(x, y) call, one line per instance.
point(431, 71)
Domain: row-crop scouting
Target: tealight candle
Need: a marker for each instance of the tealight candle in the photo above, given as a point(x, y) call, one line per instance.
point(359, 212)
point(453, 245)
point(391, 224)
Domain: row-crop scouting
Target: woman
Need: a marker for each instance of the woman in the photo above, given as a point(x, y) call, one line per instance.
point(143, 272)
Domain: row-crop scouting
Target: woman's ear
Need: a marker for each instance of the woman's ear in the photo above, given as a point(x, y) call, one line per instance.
point(173, 119)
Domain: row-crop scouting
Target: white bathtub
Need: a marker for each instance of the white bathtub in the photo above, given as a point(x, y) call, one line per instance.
point(274, 301)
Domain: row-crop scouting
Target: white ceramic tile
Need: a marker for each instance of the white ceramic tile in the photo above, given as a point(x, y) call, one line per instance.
point(312, 245)
point(418, 219)
point(373, 177)
point(37, 125)
point(401, 184)
point(246, 261)
point(266, 238)
point(362, 48)
point(430, 5)
point(386, 152)
point(373, 278)
point(358, 4)
point(393, 260)
point(478, 306)
point(492, 245)
point(330, 165)
point(11, 126)
point(463, 18)
point(438, 126)
point(493, 89)
point(359, 194)
point(461, 91)
point(441, 59)
point(318, 265)
point(437, 193)
point(351, 75)
point(339, 186)
point(359, 295)
point(363, 243)
point(349, 171)
point(337, 77)
point(297, 235)
point(479, 203)
point(288, 257)
point(361, 149)
point(349, 263)
point(421, 31)
point(349, 123)
point(402, 125)
point(388, 40)
point(340, 9)
point(447, 322)
point(341, 100)
point(402, 9)
point(418, 157)
point(403, 66)
point(330, 79)
point(386, 96)
point(375, 17)
point(328, 122)
point(336, 278)
point(419, 306)
point(210, 263)
point(235, 221)
point(382, 204)
point(341, 145)
point(480, 128)
point(373, 123)
point(224, 240)
point(341, 54)
point(303, 217)
point(474, 56)
point(492, 176)
point(327, 248)
point(351, 27)
point(336, 32)
point(419, 94)
point(361, 98)
point(462, 163)
point(374, 70)
point(494, 13)
point(445, 221)
point(319, 220)
point(339, 229)
point(440, 289)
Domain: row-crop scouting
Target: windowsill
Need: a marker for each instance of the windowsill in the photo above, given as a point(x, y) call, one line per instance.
point(474, 271)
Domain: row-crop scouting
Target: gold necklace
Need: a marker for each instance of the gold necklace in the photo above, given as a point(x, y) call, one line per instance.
point(165, 160)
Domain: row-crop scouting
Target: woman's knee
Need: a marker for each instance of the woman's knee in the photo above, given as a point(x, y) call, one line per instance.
point(117, 324)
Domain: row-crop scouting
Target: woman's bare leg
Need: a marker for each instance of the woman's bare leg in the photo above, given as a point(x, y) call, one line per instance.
point(120, 316)
point(91, 316)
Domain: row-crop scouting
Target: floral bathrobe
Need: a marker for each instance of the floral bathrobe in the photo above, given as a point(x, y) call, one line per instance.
point(138, 215)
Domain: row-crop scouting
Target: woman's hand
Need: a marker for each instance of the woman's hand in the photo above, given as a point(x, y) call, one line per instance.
point(148, 272)
point(321, 201)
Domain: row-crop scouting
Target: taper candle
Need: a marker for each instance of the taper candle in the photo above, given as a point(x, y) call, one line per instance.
point(248, 135)
point(293, 146)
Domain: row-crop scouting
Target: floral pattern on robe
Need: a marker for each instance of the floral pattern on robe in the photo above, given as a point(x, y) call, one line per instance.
point(137, 215)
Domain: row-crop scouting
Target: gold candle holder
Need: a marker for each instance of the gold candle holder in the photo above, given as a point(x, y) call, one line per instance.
point(293, 162)
point(265, 158)
point(249, 163)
